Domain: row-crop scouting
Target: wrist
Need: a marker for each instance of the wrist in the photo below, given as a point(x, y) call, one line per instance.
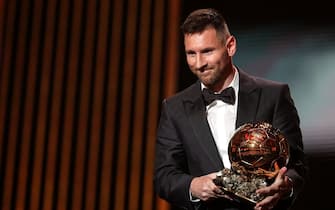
point(290, 191)
point(192, 197)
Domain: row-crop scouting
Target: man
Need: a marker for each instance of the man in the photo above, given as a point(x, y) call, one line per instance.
point(193, 133)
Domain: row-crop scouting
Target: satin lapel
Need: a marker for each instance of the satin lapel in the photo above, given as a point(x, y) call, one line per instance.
point(196, 111)
point(248, 100)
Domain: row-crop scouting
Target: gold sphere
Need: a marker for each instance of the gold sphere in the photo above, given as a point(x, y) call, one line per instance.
point(258, 148)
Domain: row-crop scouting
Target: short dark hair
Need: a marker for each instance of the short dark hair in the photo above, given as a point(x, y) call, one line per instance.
point(201, 19)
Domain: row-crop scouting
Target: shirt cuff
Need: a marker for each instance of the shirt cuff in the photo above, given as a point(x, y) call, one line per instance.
point(292, 190)
point(192, 198)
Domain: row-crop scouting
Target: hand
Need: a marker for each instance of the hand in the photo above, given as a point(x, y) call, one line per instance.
point(280, 188)
point(204, 188)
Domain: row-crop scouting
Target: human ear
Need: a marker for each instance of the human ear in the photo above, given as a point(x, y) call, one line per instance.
point(231, 45)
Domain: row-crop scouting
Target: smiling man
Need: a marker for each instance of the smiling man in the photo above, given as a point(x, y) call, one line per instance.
point(197, 123)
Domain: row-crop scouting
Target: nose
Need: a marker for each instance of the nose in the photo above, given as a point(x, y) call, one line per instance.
point(200, 62)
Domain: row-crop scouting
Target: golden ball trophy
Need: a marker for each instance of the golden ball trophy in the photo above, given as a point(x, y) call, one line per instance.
point(256, 151)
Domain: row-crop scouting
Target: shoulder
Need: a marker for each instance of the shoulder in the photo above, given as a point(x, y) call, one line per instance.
point(188, 94)
point(249, 81)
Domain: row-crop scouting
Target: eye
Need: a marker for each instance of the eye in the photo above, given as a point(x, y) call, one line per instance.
point(190, 54)
point(208, 51)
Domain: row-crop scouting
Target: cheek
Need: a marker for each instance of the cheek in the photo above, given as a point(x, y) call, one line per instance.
point(192, 69)
point(190, 62)
point(221, 60)
point(215, 58)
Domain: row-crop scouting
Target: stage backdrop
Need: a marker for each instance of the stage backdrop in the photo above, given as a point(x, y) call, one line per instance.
point(81, 83)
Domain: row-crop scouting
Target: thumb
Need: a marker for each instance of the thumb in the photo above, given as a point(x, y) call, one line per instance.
point(281, 173)
point(212, 175)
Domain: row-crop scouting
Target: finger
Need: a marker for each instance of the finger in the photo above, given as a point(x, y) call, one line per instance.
point(270, 190)
point(221, 194)
point(285, 186)
point(218, 191)
point(213, 190)
point(268, 202)
point(207, 195)
point(281, 173)
point(212, 175)
point(277, 185)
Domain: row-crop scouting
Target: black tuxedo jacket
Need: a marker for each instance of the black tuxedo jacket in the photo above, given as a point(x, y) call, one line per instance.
point(185, 147)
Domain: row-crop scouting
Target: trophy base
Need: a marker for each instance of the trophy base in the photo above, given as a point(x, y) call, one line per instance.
point(240, 187)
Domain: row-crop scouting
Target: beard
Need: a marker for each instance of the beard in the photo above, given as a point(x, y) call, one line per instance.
point(210, 77)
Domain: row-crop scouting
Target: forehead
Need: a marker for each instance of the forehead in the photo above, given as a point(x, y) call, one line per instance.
point(204, 39)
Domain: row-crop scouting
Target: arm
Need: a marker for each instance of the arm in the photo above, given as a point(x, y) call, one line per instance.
point(177, 156)
point(287, 120)
point(171, 179)
point(290, 178)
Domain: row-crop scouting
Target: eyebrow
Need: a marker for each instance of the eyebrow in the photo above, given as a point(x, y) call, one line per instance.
point(207, 49)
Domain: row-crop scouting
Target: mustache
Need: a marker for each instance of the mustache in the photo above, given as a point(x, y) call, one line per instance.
point(204, 68)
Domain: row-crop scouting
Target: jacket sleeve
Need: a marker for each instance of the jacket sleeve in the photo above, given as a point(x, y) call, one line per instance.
point(287, 120)
point(171, 179)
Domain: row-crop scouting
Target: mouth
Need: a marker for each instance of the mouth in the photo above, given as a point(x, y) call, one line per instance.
point(204, 70)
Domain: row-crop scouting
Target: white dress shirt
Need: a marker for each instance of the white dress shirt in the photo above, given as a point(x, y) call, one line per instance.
point(222, 120)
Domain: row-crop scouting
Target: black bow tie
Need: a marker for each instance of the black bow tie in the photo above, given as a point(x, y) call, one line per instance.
point(227, 96)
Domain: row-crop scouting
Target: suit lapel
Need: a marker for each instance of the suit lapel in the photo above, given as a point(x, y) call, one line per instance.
point(196, 111)
point(248, 100)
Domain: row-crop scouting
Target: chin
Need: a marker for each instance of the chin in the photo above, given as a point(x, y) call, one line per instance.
point(207, 81)
point(207, 84)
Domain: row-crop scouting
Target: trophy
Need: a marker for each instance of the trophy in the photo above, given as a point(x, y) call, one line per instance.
point(256, 151)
